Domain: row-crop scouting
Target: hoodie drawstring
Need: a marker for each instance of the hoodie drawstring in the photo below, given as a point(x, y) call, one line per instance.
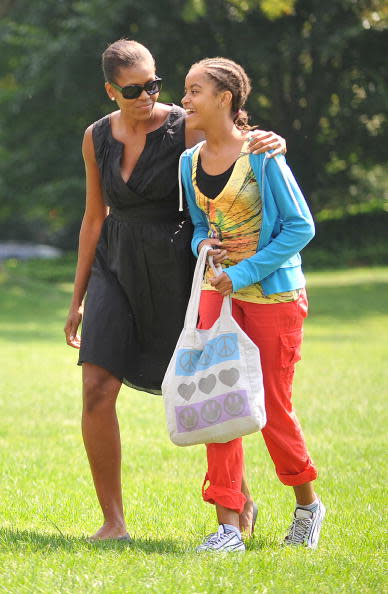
point(185, 153)
point(180, 184)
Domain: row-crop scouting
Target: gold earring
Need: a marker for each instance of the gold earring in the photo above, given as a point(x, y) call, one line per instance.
point(112, 98)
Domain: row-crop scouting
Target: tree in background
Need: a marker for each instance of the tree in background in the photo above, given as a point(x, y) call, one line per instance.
point(317, 71)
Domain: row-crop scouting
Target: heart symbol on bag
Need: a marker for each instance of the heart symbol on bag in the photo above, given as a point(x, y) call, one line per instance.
point(186, 390)
point(229, 376)
point(206, 384)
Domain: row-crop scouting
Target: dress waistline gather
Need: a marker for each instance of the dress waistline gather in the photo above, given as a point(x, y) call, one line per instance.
point(149, 212)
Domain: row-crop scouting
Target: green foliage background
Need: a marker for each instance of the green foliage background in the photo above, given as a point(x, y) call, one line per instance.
point(317, 71)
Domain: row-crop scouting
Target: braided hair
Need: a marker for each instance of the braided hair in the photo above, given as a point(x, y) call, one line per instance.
point(229, 76)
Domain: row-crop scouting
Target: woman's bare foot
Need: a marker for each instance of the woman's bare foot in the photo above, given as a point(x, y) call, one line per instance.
point(246, 518)
point(110, 531)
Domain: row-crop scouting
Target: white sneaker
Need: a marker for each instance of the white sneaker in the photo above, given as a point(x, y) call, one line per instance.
point(306, 527)
point(222, 542)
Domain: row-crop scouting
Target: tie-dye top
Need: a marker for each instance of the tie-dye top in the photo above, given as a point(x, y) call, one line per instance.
point(235, 217)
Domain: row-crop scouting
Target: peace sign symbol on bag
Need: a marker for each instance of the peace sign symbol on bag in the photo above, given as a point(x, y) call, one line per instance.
point(207, 356)
point(226, 345)
point(188, 360)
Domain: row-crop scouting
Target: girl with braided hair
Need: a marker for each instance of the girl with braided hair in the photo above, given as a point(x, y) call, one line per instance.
point(250, 209)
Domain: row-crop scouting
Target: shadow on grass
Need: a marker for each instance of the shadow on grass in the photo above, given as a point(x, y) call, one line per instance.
point(32, 541)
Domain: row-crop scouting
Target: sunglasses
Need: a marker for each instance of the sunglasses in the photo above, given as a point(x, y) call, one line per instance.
point(134, 91)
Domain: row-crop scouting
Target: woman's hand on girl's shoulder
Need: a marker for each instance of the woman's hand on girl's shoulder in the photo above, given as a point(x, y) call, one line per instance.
point(262, 141)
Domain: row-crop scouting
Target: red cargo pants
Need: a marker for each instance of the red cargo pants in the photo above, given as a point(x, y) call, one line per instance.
point(277, 330)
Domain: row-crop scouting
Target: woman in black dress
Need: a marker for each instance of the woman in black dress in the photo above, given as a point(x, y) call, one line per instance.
point(134, 258)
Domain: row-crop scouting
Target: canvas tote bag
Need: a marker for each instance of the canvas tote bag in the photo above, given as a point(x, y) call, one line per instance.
point(213, 387)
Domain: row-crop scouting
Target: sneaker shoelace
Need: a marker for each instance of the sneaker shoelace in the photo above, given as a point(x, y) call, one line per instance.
point(299, 530)
point(216, 538)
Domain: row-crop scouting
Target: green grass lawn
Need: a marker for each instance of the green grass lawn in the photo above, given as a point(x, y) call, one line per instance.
point(47, 502)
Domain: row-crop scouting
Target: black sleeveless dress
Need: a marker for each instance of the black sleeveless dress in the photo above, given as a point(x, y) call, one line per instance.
point(141, 276)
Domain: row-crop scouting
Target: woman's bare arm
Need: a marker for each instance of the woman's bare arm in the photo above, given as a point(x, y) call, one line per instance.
point(261, 141)
point(94, 216)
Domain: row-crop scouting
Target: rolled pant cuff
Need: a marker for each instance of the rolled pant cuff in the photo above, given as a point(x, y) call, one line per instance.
point(294, 480)
point(228, 498)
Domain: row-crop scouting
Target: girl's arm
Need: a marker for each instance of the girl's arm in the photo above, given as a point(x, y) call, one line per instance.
point(94, 216)
point(296, 226)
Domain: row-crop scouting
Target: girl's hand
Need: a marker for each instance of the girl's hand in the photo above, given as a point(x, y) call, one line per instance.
point(261, 142)
point(219, 255)
point(73, 321)
point(222, 284)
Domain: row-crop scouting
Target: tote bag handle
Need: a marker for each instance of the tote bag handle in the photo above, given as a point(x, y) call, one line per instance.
point(193, 306)
point(226, 309)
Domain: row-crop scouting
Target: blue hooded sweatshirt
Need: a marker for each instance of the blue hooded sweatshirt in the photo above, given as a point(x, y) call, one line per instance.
point(287, 225)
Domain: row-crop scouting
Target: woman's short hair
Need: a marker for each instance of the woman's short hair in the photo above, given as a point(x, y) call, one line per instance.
point(123, 53)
